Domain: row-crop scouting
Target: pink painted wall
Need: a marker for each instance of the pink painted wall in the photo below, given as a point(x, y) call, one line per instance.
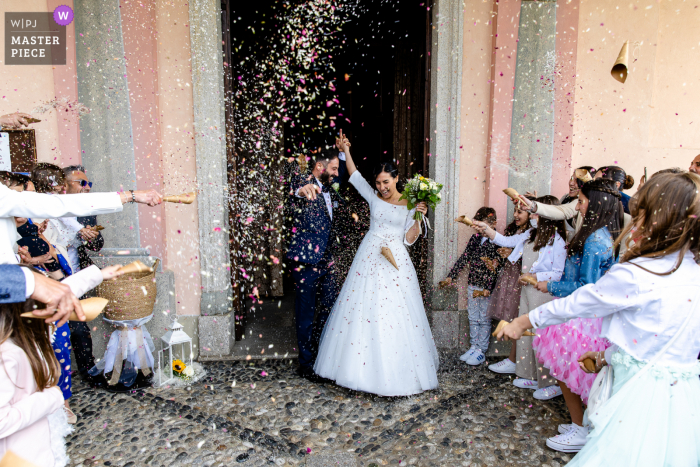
point(175, 107)
point(506, 23)
point(65, 82)
point(474, 118)
point(564, 94)
point(140, 49)
point(651, 119)
point(24, 87)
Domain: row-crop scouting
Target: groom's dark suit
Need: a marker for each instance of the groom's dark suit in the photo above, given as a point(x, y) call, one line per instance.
point(311, 257)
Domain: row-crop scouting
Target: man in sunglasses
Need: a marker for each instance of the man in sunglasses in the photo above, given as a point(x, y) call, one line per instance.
point(87, 239)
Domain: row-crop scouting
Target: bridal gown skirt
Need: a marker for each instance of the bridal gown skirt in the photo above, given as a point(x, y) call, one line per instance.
point(377, 338)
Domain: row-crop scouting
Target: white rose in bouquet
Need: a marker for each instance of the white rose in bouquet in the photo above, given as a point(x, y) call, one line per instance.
point(423, 186)
point(188, 371)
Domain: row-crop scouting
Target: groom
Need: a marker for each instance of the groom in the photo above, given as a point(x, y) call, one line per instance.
point(310, 250)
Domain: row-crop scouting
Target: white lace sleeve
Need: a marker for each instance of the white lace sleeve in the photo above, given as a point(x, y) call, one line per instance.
point(409, 224)
point(364, 188)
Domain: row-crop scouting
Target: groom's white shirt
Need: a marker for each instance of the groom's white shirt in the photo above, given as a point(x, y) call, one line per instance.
point(326, 196)
point(37, 205)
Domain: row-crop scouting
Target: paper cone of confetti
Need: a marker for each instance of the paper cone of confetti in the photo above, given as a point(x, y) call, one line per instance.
point(10, 459)
point(503, 324)
point(589, 364)
point(529, 279)
point(386, 252)
point(583, 175)
point(464, 220)
point(136, 266)
point(96, 228)
point(619, 69)
point(92, 307)
point(512, 193)
point(185, 198)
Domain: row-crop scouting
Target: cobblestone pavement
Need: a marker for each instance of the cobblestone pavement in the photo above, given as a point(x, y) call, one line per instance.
point(270, 416)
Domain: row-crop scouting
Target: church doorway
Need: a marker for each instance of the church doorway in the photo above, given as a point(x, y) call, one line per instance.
point(370, 78)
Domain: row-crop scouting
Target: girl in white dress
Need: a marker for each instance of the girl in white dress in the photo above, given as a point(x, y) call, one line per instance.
point(377, 338)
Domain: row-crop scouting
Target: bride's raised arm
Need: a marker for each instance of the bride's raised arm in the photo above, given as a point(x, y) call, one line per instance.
point(344, 146)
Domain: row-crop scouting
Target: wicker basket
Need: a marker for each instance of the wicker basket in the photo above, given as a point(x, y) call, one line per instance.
point(130, 296)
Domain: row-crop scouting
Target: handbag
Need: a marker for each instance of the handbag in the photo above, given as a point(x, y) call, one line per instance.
point(602, 389)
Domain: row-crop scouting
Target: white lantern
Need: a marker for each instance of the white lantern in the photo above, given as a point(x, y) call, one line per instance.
point(168, 344)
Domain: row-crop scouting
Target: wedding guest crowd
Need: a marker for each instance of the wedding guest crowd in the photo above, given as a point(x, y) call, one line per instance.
point(41, 240)
point(604, 276)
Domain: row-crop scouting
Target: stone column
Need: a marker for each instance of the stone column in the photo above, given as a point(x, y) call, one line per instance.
point(445, 105)
point(532, 131)
point(106, 133)
point(215, 331)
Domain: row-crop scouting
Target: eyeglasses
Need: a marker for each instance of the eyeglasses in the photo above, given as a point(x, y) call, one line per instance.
point(83, 183)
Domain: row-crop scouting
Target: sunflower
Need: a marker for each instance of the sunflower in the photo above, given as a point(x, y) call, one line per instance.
point(179, 366)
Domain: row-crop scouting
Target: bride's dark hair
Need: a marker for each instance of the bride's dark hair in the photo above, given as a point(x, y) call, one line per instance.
point(389, 168)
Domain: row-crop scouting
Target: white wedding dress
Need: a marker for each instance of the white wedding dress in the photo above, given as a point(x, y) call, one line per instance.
point(377, 338)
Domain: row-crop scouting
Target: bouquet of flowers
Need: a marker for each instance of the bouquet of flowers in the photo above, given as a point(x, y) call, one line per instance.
point(420, 189)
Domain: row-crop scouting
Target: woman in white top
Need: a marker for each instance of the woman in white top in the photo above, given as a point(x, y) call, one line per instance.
point(543, 253)
point(650, 305)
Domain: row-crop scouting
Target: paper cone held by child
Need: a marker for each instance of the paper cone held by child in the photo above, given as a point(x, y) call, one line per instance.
point(512, 193)
point(92, 307)
point(386, 252)
point(589, 364)
point(464, 220)
point(503, 324)
point(185, 198)
point(583, 175)
point(619, 69)
point(136, 266)
point(529, 279)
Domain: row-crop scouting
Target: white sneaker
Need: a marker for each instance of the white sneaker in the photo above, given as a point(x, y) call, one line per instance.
point(468, 354)
point(477, 358)
point(523, 383)
point(550, 392)
point(572, 441)
point(504, 367)
point(565, 427)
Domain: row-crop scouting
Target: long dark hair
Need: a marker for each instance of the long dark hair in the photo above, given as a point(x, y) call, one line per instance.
point(32, 336)
point(666, 213)
point(617, 174)
point(546, 228)
point(604, 210)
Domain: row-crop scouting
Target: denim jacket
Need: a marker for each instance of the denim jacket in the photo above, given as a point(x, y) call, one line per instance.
point(586, 268)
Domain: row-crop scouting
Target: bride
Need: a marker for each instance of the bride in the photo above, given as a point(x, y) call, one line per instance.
point(377, 338)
